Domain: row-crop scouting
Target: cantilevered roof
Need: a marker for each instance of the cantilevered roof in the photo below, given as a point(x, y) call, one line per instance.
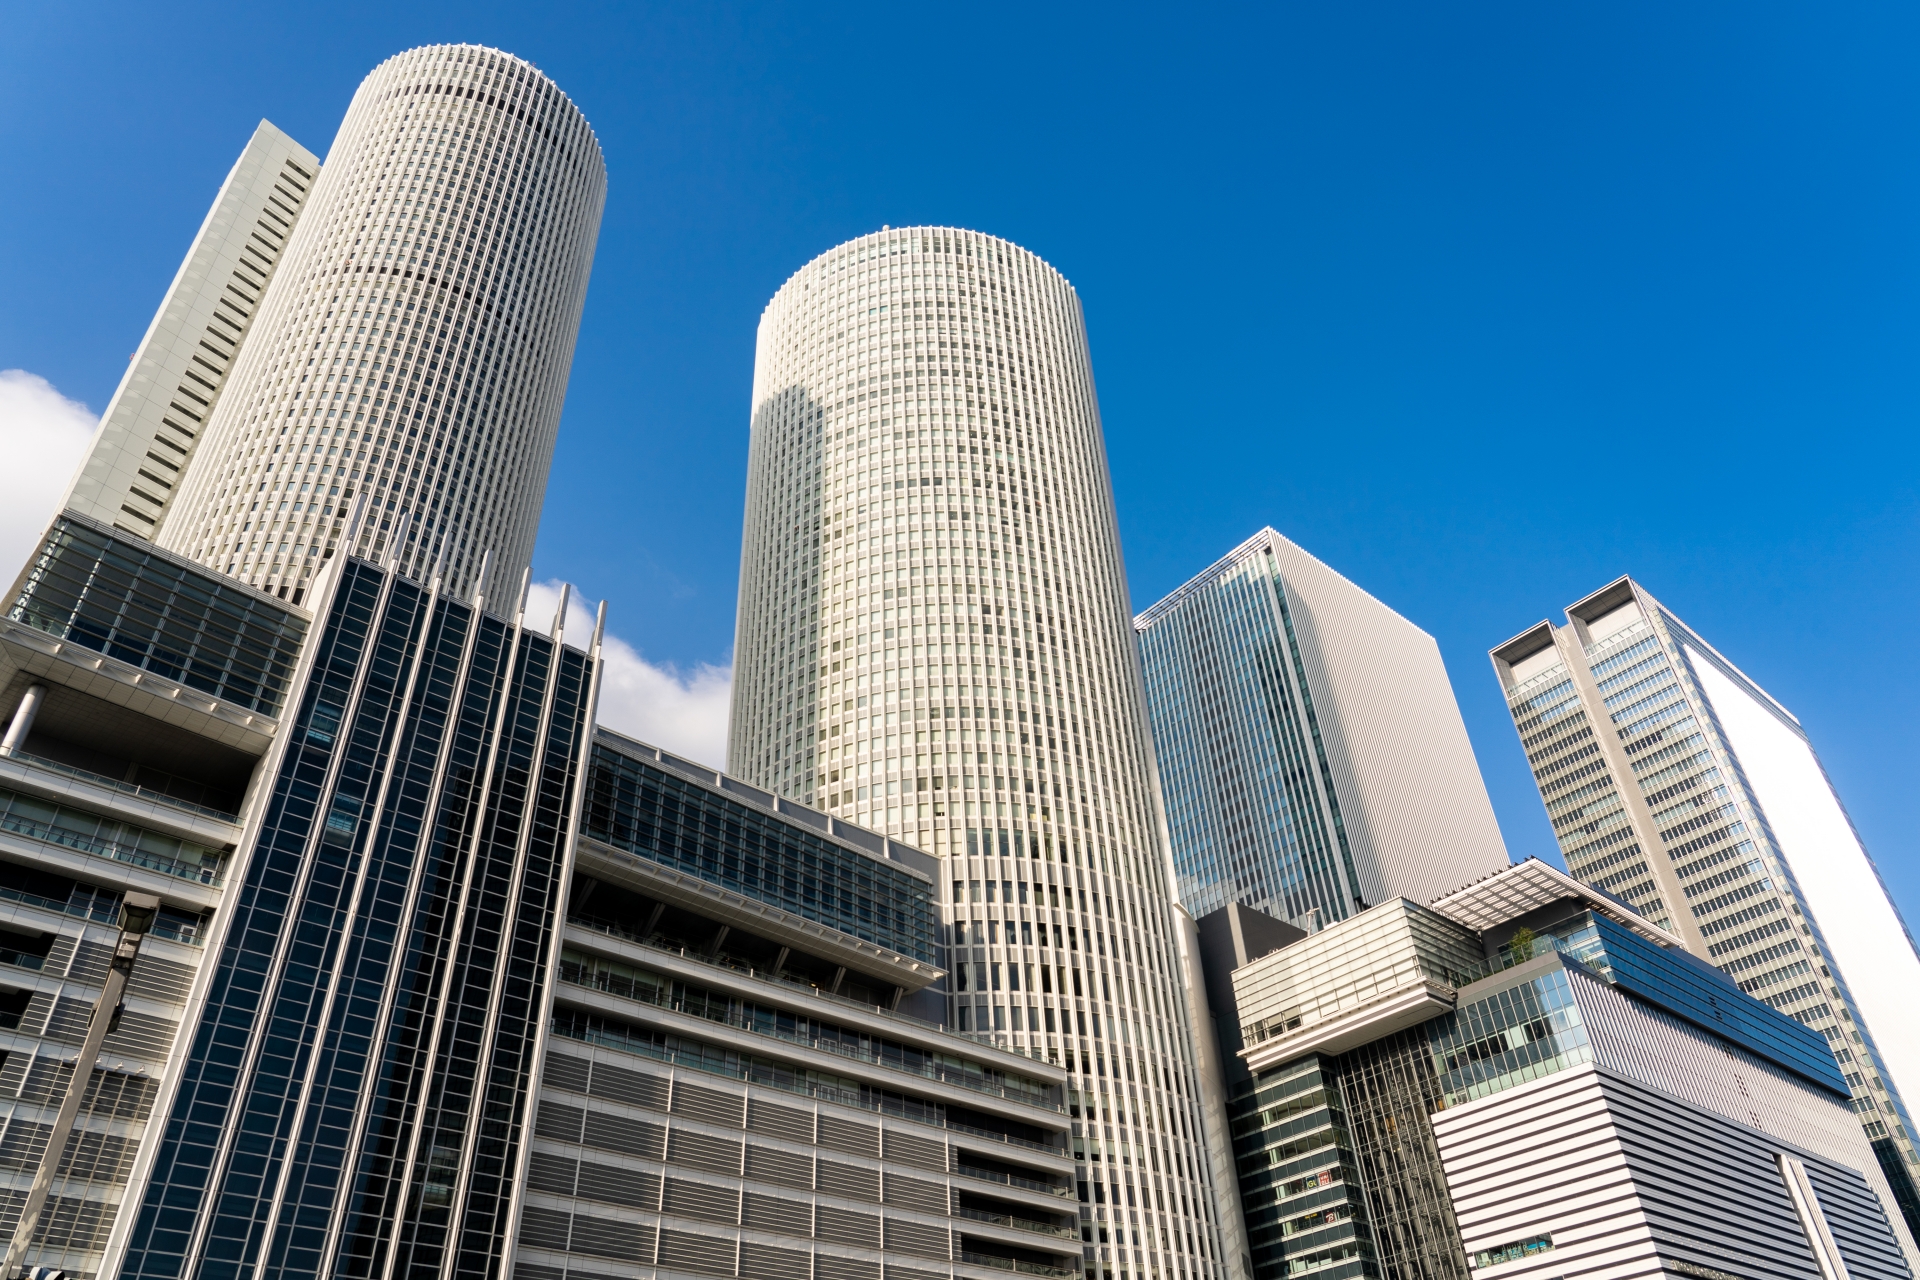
point(1527, 886)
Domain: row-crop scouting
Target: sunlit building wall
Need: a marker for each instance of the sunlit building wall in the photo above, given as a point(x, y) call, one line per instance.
point(1677, 784)
point(934, 641)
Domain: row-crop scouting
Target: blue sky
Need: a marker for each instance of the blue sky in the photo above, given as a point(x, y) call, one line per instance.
point(1485, 305)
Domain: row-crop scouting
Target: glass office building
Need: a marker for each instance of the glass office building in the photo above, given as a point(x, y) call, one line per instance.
point(1310, 754)
point(381, 969)
point(1676, 783)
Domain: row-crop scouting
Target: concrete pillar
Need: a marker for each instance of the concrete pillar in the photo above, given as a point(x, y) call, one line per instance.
point(23, 719)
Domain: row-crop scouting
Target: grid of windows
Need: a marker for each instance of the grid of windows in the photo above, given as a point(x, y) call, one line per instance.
point(376, 993)
point(149, 609)
point(1529, 1030)
point(934, 642)
point(637, 806)
point(1251, 809)
point(414, 345)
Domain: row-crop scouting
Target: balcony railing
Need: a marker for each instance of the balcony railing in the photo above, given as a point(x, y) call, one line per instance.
point(1012, 1180)
point(729, 1016)
point(1013, 1093)
point(197, 872)
point(1018, 1224)
point(116, 784)
point(1016, 1264)
point(107, 912)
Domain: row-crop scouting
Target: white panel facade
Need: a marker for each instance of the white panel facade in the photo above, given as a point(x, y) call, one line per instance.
point(413, 350)
point(158, 417)
point(1868, 941)
point(1411, 796)
point(933, 641)
point(1652, 1046)
point(1628, 1181)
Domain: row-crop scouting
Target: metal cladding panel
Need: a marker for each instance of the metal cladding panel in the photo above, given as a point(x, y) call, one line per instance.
point(1625, 1179)
point(380, 973)
point(1634, 1039)
point(1412, 800)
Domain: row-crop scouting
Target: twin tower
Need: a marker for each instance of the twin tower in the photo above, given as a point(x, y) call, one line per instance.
point(340, 424)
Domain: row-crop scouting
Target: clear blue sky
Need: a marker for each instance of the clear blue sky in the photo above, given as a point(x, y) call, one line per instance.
point(1483, 304)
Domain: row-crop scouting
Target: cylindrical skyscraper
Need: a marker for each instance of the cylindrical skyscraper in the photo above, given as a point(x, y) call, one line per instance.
point(414, 344)
point(934, 641)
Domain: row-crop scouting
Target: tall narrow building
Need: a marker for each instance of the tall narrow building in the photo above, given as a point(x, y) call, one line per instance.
point(415, 342)
point(1312, 759)
point(158, 417)
point(934, 641)
point(1677, 784)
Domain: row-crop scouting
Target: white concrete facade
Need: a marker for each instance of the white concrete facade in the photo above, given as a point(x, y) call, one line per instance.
point(413, 350)
point(934, 641)
point(158, 417)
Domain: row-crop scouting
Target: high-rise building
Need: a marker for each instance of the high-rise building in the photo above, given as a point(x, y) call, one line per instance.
point(1312, 759)
point(934, 640)
point(1526, 1075)
point(415, 341)
point(158, 417)
point(1676, 783)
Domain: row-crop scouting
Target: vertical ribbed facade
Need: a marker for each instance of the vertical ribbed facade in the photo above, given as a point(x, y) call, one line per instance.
point(414, 346)
point(933, 640)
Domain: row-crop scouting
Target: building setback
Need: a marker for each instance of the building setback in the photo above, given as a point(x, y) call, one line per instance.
point(1529, 1076)
point(1311, 757)
point(1676, 783)
point(934, 640)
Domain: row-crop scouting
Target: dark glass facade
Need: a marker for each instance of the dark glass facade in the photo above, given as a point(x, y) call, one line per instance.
point(353, 1099)
point(1390, 1089)
point(635, 805)
point(133, 602)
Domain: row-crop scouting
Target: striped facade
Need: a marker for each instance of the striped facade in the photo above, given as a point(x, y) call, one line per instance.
point(934, 641)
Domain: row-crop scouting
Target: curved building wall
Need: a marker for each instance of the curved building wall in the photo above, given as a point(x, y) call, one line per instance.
point(934, 641)
point(413, 347)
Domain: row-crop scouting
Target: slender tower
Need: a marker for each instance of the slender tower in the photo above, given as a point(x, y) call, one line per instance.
point(934, 641)
point(158, 417)
point(414, 344)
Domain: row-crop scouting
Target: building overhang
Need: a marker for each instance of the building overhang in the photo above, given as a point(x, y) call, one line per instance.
point(617, 866)
point(28, 651)
point(1527, 886)
point(1395, 1011)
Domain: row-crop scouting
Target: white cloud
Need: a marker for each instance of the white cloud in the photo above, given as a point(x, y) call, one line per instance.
point(681, 712)
point(42, 437)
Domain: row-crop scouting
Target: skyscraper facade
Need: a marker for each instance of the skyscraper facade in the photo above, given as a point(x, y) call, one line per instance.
point(159, 414)
point(933, 640)
point(1676, 783)
point(1312, 759)
point(415, 342)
